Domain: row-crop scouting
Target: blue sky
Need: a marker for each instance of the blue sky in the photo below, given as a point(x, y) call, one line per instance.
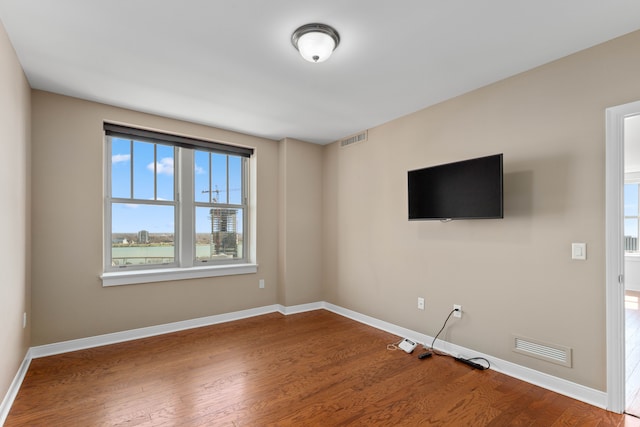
point(210, 176)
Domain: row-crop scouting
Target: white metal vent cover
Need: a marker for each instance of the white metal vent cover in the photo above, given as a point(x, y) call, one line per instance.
point(359, 137)
point(553, 353)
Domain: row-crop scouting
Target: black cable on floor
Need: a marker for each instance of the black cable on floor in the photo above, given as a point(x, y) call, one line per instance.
point(470, 362)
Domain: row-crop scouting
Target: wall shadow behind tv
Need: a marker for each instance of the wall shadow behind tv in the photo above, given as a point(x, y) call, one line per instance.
point(468, 189)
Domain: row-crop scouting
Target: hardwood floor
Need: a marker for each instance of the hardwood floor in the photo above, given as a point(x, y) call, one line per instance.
point(309, 369)
point(632, 328)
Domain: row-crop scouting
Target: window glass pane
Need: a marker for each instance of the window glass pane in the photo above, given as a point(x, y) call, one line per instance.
point(219, 233)
point(143, 171)
point(631, 200)
point(219, 178)
point(142, 234)
point(240, 225)
point(202, 189)
point(235, 180)
point(120, 168)
point(631, 234)
point(164, 172)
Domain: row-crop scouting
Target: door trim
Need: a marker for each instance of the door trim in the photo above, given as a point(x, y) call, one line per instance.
point(614, 229)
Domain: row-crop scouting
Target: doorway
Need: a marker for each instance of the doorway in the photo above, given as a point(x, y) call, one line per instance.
point(622, 300)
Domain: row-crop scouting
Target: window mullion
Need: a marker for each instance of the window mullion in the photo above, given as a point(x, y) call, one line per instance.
point(210, 179)
point(186, 207)
point(227, 180)
point(155, 172)
point(131, 169)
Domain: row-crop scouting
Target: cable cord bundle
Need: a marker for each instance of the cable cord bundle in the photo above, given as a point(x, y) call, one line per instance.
point(469, 361)
point(394, 346)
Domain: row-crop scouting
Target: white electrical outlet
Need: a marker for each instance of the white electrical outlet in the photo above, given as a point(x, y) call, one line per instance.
point(261, 285)
point(420, 303)
point(458, 312)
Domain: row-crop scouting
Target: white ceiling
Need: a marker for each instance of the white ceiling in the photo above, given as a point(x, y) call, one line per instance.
point(230, 63)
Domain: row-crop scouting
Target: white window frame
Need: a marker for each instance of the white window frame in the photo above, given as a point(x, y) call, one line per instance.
point(189, 162)
point(185, 265)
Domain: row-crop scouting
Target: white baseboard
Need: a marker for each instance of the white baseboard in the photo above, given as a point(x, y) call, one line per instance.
point(555, 384)
point(576, 391)
point(294, 309)
point(7, 402)
point(379, 324)
point(561, 386)
point(134, 334)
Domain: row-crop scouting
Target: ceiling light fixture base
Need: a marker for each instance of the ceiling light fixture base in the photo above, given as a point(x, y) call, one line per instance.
point(315, 42)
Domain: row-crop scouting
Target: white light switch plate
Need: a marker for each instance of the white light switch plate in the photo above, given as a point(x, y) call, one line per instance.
point(579, 251)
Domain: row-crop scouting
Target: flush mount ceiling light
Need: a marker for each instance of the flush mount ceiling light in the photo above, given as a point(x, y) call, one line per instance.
point(315, 42)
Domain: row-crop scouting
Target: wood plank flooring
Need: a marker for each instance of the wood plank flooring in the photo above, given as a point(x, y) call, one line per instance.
point(632, 330)
point(309, 369)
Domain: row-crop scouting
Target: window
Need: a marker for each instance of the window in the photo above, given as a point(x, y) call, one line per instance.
point(631, 217)
point(220, 206)
point(173, 204)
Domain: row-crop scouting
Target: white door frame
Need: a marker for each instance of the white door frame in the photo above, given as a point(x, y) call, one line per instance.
point(614, 229)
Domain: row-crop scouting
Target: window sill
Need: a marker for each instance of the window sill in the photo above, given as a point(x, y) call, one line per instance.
point(118, 278)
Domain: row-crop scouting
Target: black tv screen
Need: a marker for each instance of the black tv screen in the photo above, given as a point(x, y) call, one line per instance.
point(469, 189)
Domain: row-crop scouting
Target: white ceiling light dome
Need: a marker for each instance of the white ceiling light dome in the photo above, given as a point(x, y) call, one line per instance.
point(315, 42)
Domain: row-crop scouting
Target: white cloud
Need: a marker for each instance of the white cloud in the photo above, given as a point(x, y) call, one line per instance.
point(120, 158)
point(164, 166)
point(199, 170)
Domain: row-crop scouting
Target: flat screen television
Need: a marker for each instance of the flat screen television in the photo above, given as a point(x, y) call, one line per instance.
point(469, 189)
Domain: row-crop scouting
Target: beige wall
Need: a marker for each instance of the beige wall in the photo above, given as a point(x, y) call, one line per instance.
point(68, 298)
point(513, 275)
point(300, 223)
point(14, 227)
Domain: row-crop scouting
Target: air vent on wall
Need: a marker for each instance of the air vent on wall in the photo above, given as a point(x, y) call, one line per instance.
point(553, 353)
point(359, 137)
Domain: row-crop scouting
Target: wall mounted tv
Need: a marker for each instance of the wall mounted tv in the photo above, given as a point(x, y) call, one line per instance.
point(469, 189)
